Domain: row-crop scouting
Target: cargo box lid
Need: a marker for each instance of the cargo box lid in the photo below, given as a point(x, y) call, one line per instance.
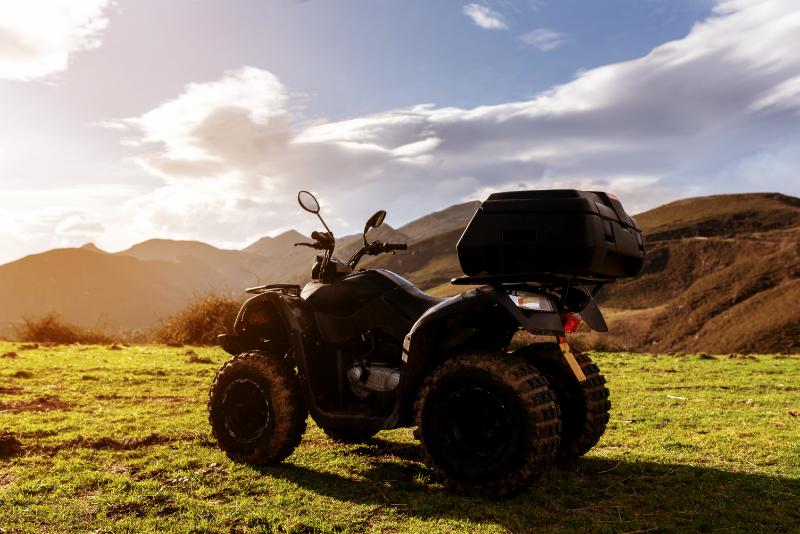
point(559, 201)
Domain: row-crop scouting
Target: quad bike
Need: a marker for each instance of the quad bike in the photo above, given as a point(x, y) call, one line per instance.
point(364, 350)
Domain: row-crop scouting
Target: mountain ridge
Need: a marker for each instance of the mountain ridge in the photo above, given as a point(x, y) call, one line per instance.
point(714, 266)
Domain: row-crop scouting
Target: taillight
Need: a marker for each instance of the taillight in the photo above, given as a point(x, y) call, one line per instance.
point(570, 321)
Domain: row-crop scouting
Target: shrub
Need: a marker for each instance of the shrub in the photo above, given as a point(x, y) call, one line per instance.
point(51, 328)
point(199, 322)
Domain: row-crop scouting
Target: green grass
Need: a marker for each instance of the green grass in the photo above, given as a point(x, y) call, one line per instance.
point(121, 443)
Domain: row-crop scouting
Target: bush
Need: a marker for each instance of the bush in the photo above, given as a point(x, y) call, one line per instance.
point(199, 322)
point(51, 328)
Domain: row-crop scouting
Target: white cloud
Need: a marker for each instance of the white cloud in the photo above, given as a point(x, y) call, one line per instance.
point(668, 125)
point(247, 94)
point(485, 17)
point(68, 216)
point(80, 226)
point(37, 37)
point(47, 227)
point(543, 39)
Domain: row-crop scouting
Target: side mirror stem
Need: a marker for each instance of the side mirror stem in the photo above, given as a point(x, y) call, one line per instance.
point(323, 224)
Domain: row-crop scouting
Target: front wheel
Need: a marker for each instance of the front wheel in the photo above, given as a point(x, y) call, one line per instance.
point(488, 423)
point(256, 410)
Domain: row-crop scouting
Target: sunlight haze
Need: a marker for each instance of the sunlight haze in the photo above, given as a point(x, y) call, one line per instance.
point(200, 119)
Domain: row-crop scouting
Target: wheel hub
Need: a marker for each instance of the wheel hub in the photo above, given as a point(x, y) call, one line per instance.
point(247, 410)
point(477, 424)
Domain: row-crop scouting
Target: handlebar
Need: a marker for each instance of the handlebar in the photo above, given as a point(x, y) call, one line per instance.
point(395, 246)
point(322, 241)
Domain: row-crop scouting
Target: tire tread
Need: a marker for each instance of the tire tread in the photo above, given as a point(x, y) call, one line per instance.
point(286, 398)
point(542, 412)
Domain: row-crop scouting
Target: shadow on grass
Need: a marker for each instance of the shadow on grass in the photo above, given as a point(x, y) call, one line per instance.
point(592, 494)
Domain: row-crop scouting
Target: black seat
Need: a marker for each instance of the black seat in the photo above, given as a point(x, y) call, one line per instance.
point(412, 302)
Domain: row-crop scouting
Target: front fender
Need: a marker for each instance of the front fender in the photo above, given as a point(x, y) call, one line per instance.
point(261, 324)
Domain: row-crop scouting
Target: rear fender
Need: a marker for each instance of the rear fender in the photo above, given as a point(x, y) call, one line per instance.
point(593, 317)
point(480, 319)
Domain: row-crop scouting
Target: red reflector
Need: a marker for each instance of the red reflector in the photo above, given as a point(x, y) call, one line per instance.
point(570, 321)
point(612, 197)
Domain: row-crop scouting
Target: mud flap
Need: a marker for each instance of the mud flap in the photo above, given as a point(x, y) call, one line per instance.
point(573, 363)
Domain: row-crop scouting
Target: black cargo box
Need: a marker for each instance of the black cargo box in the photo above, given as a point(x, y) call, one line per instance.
point(562, 233)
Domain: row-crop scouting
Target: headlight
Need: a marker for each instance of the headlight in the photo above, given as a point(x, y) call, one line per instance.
point(533, 302)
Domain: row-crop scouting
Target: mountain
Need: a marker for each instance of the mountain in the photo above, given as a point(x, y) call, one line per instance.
point(430, 260)
point(449, 219)
point(722, 274)
point(721, 215)
point(350, 244)
point(283, 262)
point(429, 263)
point(235, 268)
point(87, 288)
point(93, 248)
point(271, 246)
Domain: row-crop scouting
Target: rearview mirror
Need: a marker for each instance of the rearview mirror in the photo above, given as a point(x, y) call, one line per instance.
point(308, 201)
point(375, 221)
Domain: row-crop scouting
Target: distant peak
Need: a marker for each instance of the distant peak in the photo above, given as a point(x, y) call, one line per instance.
point(93, 248)
point(268, 245)
point(289, 234)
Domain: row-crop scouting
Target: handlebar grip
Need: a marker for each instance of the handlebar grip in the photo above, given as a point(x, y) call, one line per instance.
point(396, 246)
point(317, 236)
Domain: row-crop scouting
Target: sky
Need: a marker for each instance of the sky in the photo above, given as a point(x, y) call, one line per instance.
point(126, 120)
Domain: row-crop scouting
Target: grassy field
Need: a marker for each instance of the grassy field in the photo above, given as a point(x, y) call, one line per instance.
point(116, 439)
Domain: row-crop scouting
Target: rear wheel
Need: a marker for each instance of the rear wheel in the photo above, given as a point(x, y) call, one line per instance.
point(256, 410)
point(488, 423)
point(584, 405)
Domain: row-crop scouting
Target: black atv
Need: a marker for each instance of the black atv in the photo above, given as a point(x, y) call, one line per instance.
point(365, 350)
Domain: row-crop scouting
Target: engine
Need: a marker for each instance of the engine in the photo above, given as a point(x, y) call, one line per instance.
point(372, 379)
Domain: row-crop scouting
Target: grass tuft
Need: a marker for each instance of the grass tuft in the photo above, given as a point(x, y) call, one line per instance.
point(199, 322)
point(52, 328)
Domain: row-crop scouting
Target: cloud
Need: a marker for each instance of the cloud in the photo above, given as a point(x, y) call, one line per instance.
point(79, 226)
point(45, 228)
point(209, 113)
point(543, 39)
point(41, 219)
point(37, 37)
point(698, 115)
point(485, 17)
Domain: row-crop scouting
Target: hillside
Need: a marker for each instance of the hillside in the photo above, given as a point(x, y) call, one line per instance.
point(88, 287)
point(446, 220)
point(282, 262)
point(722, 274)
